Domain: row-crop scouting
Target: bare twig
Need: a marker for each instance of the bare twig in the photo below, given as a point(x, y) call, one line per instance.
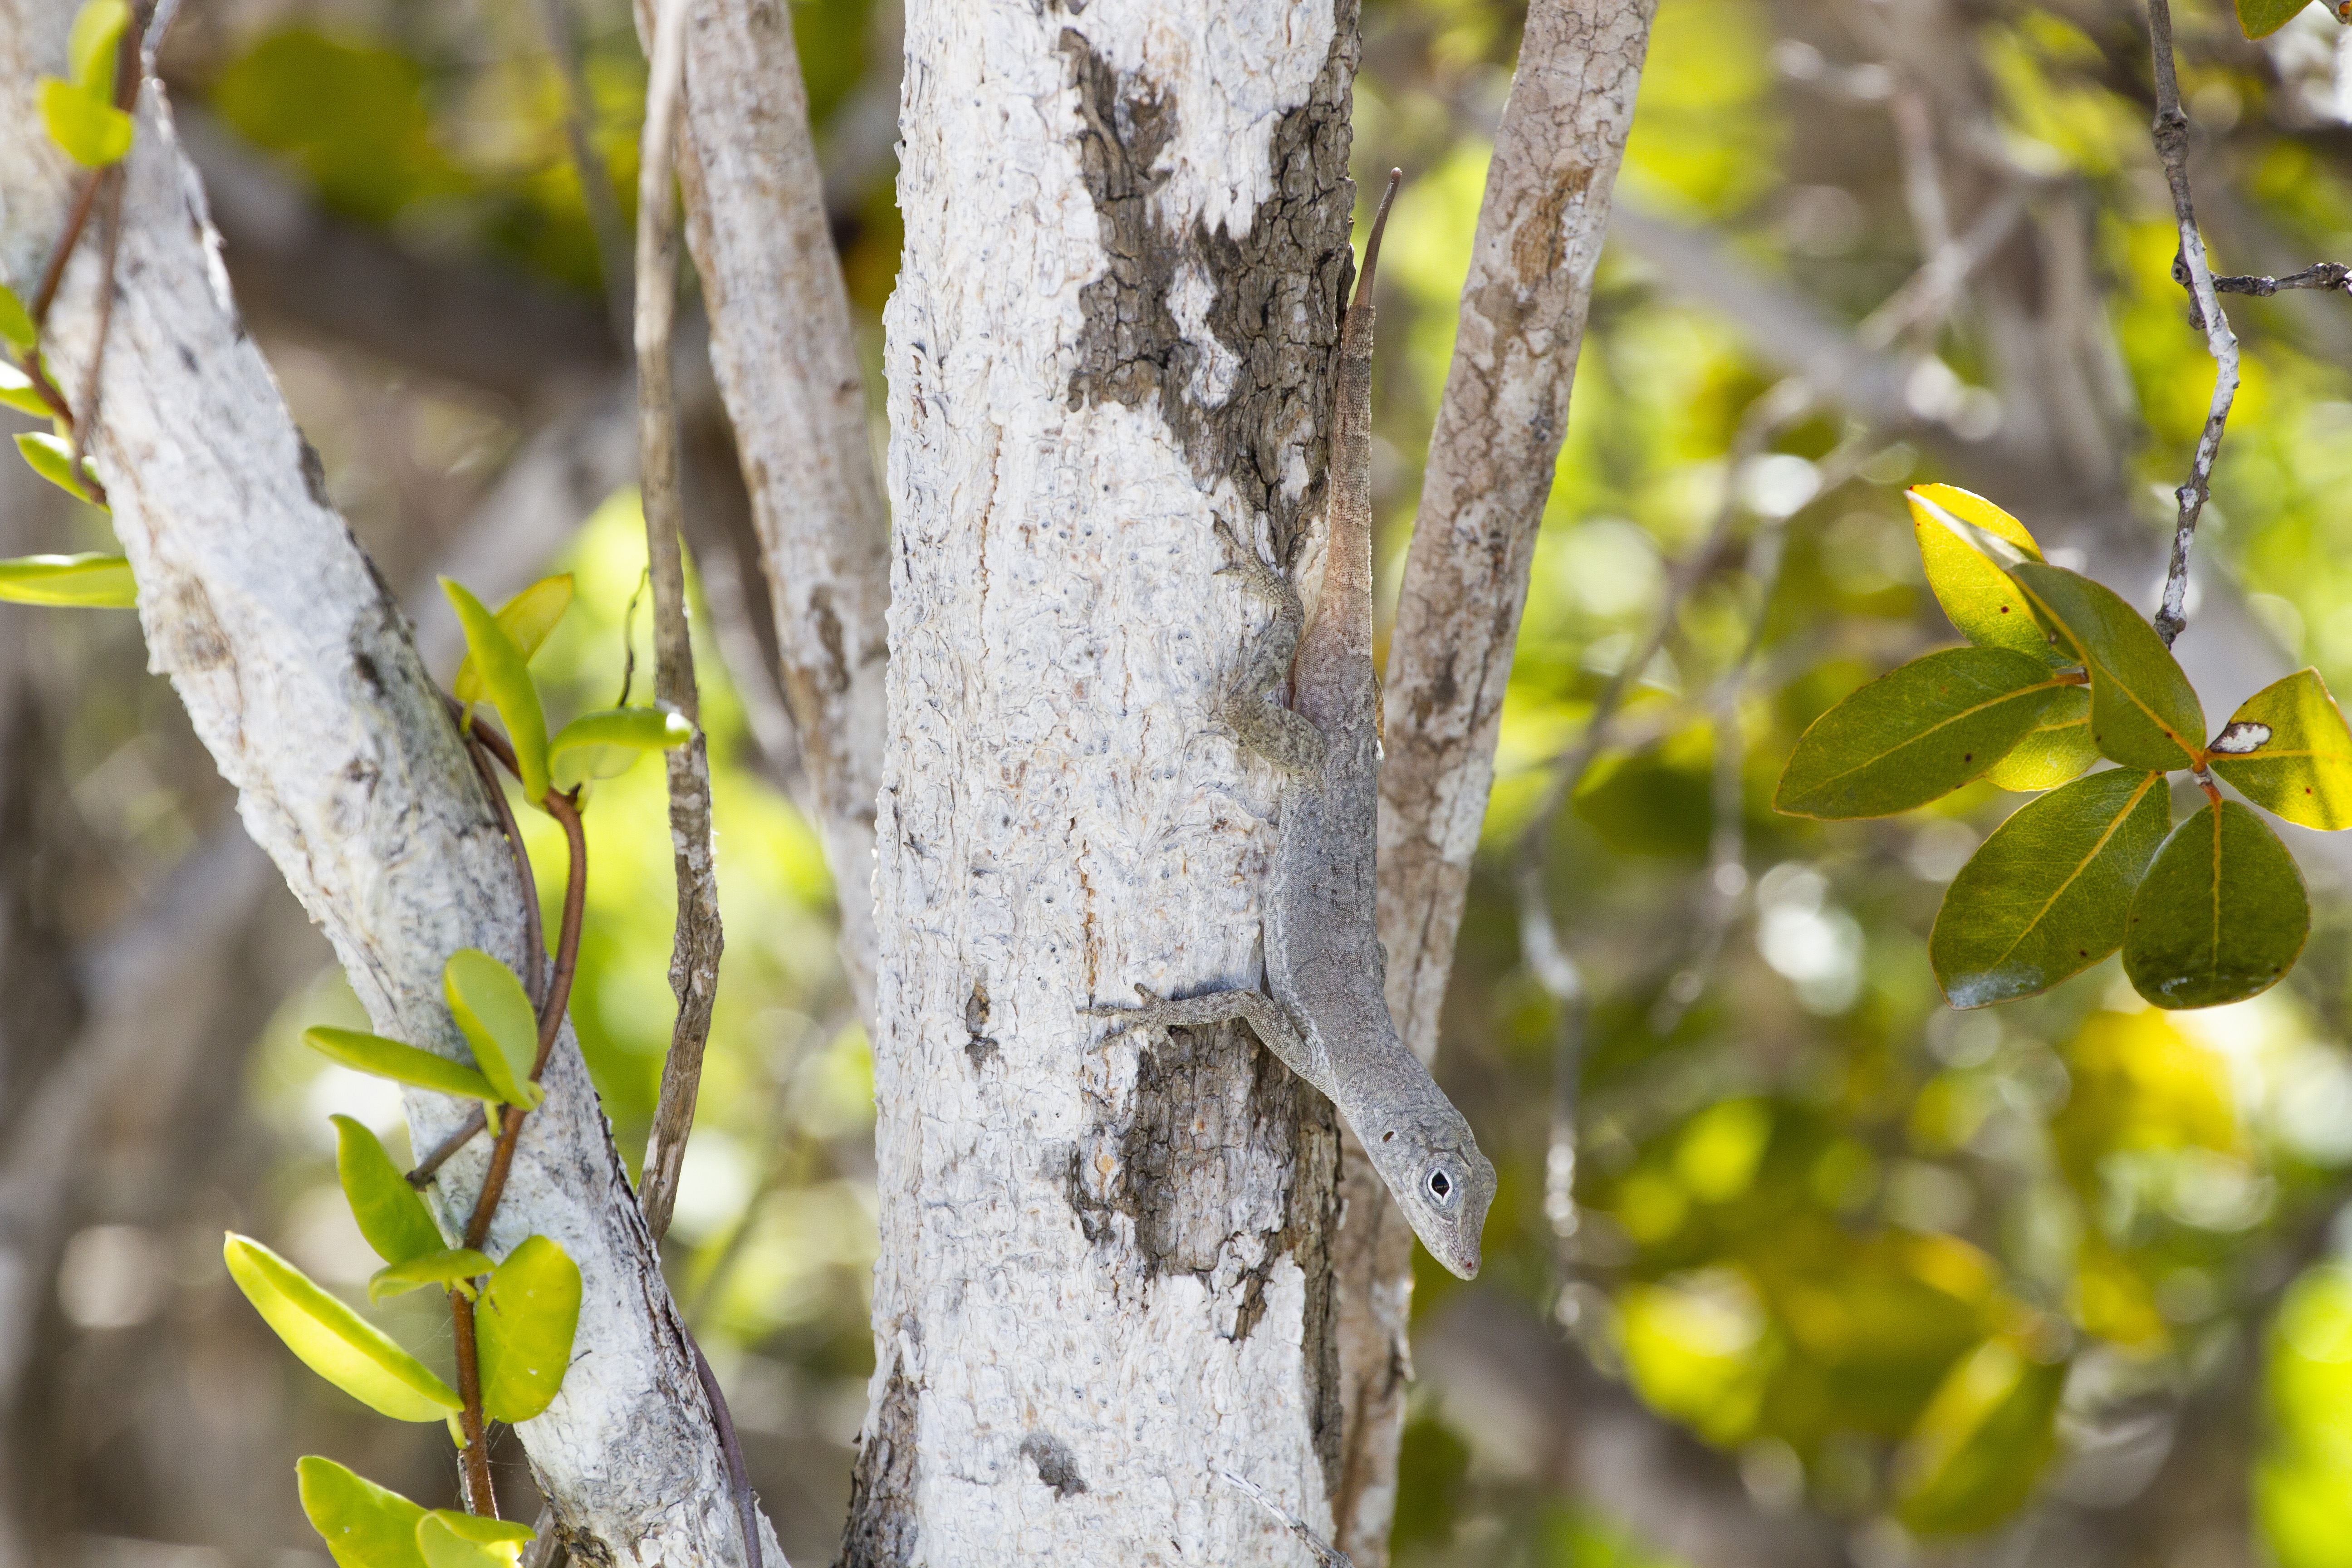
point(588, 165)
point(1324, 1552)
point(739, 1478)
point(534, 955)
point(2195, 274)
point(109, 248)
point(2328, 277)
point(694, 954)
point(439, 1155)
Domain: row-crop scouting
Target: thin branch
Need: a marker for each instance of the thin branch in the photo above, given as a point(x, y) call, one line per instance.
point(2194, 273)
point(1324, 1552)
point(738, 1478)
point(2328, 277)
point(439, 1155)
point(534, 956)
point(694, 954)
point(474, 1459)
point(110, 248)
point(588, 165)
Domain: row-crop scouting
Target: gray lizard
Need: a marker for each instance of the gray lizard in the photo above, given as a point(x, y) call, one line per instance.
point(1328, 1018)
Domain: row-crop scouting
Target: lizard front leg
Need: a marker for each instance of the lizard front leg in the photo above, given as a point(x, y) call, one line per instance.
point(1250, 709)
point(1262, 1013)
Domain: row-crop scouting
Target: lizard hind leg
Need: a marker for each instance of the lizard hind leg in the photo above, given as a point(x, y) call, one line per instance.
point(1262, 1013)
point(1250, 708)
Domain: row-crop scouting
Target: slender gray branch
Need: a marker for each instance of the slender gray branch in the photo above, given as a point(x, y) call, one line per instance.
point(596, 193)
point(2329, 276)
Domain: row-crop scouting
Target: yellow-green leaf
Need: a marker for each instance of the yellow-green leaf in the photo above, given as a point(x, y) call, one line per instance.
point(93, 581)
point(1974, 1453)
point(448, 1538)
point(2056, 749)
point(93, 45)
point(93, 132)
point(492, 1008)
point(391, 1215)
point(2260, 18)
point(2144, 713)
point(446, 1266)
point(16, 391)
point(402, 1063)
point(506, 677)
point(528, 617)
point(334, 1341)
point(2288, 750)
point(1977, 596)
point(15, 321)
point(2044, 897)
point(1915, 733)
point(51, 458)
point(2221, 914)
point(364, 1525)
point(604, 745)
point(524, 1325)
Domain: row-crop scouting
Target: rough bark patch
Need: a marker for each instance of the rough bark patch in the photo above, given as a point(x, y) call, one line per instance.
point(1056, 1466)
point(882, 1528)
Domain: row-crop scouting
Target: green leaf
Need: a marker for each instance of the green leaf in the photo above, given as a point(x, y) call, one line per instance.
point(2044, 897)
point(96, 582)
point(1977, 596)
point(446, 1266)
point(1915, 733)
point(492, 1008)
point(400, 1063)
point(2057, 748)
point(2260, 18)
point(528, 617)
point(334, 1341)
point(52, 458)
point(2288, 750)
point(2220, 915)
point(363, 1525)
point(2144, 714)
point(15, 321)
point(506, 676)
point(448, 1538)
point(392, 1217)
point(529, 1312)
point(1972, 1457)
point(606, 743)
point(92, 48)
point(93, 132)
point(16, 391)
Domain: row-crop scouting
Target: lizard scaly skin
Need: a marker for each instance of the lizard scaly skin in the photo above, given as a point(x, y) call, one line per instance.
point(1328, 1018)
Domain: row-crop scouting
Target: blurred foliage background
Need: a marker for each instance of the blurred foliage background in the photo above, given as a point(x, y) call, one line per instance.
point(1847, 1276)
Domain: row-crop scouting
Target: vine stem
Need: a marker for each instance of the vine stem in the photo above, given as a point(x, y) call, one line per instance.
point(474, 1459)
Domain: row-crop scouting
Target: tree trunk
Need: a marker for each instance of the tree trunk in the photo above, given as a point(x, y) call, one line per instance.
point(1104, 1279)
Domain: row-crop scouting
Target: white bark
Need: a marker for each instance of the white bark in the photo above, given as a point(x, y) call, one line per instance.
point(1103, 1265)
point(301, 679)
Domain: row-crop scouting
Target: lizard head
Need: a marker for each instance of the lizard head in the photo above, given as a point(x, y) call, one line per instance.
point(1429, 1160)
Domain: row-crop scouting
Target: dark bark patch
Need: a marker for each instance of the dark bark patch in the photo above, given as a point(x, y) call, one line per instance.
point(1056, 1466)
point(882, 1528)
point(189, 630)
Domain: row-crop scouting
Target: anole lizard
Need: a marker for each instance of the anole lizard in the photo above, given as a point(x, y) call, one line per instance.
point(1328, 1018)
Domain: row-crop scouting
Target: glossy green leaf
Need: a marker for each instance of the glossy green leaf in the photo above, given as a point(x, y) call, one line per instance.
point(496, 1014)
point(1915, 733)
point(448, 1538)
point(506, 677)
point(2260, 18)
point(93, 132)
point(51, 458)
point(402, 1063)
point(15, 321)
point(2288, 750)
point(2044, 897)
point(528, 617)
point(605, 743)
point(445, 1267)
point(92, 46)
point(2144, 714)
point(1975, 1450)
point(364, 1525)
point(391, 1214)
point(16, 391)
point(1979, 597)
point(2220, 916)
point(334, 1341)
point(93, 581)
point(2058, 747)
point(525, 1323)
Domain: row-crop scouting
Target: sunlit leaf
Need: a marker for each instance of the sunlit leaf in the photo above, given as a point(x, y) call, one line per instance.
point(334, 1341)
point(452, 1540)
point(444, 1267)
point(1978, 1447)
point(93, 581)
point(364, 1524)
point(2144, 714)
point(528, 1314)
point(391, 1215)
point(51, 458)
point(2221, 914)
point(605, 743)
point(1977, 596)
point(506, 676)
point(93, 132)
point(2260, 18)
point(2288, 750)
point(2057, 748)
point(15, 321)
point(2044, 897)
point(16, 391)
point(92, 45)
point(528, 617)
point(1915, 733)
point(402, 1063)
point(492, 1008)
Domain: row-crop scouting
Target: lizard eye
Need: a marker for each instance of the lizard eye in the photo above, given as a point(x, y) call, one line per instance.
point(1440, 1185)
